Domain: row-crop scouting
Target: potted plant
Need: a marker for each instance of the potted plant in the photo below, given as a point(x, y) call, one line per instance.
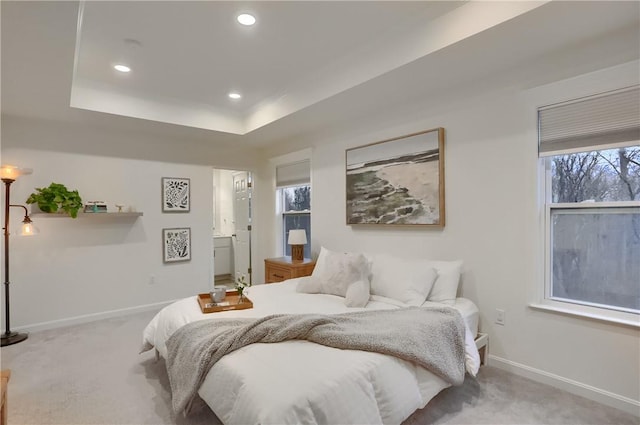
point(241, 284)
point(56, 197)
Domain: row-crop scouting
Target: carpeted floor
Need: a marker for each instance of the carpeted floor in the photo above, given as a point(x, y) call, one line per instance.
point(93, 374)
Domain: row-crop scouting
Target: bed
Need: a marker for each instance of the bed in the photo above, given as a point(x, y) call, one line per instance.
point(299, 381)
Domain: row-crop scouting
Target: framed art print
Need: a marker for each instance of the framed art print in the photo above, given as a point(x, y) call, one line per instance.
point(398, 181)
point(176, 194)
point(176, 244)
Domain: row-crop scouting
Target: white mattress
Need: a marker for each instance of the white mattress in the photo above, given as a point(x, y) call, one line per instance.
point(302, 382)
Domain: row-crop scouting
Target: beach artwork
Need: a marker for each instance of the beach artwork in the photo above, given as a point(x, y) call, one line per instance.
point(398, 181)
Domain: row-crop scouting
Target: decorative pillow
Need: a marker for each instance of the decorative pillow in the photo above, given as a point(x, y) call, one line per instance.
point(445, 288)
point(407, 281)
point(335, 273)
point(307, 285)
point(358, 294)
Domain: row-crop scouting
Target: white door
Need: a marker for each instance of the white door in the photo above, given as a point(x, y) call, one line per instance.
point(242, 218)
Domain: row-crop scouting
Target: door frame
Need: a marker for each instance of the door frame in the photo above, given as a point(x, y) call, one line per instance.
point(252, 212)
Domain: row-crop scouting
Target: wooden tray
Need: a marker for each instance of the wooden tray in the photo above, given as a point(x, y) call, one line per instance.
point(207, 306)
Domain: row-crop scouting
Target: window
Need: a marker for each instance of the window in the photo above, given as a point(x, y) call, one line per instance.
point(591, 154)
point(294, 201)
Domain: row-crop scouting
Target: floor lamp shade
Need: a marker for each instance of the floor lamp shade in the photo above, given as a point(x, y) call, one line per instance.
point(12, 172)
point(297, 240)
point(9, 174)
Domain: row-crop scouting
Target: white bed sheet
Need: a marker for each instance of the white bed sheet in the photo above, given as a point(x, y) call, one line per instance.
point(301, 382)
point(467, 309)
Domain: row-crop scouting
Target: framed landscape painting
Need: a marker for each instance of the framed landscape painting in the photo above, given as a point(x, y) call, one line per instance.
point(176, 244)
point(176, 194)
point(398, 181)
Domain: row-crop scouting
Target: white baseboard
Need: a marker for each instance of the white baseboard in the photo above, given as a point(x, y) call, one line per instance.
point(90, 317)
point(592, 393)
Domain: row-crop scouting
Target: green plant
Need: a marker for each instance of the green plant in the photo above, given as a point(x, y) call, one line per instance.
point(241, 284)
point(54, 197)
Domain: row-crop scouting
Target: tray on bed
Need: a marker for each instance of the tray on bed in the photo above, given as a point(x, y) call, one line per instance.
point(232, 298)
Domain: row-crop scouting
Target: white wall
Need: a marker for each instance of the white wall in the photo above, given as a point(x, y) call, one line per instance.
point(83, 267)
point(493, 225)
point(88, 265)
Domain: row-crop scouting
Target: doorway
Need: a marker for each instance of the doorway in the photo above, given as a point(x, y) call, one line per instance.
point(232, 192)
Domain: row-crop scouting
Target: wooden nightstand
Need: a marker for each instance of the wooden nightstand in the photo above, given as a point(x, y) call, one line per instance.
point(4, 377)
point(279, 269)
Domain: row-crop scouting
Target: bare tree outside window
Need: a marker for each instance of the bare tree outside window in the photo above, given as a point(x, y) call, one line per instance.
point(297, 198)
point(600, 176)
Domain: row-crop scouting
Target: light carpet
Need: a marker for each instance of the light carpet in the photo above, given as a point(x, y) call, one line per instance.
point(92, 374)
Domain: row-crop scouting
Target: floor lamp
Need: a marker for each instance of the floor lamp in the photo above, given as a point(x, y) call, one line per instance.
point(9, 174)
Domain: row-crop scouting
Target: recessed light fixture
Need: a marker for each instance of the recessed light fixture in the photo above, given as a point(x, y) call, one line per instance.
point(122, 68)
point(246, 19)
point(234, 95)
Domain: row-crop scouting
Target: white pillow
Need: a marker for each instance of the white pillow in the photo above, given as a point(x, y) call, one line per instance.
point(445, 287)
point(358, 294)
point(408, 281)
point(335, 273)
point(307, 285)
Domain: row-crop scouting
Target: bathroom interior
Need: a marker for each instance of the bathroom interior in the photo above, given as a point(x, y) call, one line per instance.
point(231, 225)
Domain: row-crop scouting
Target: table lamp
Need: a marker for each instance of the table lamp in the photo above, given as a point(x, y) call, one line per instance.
point(297, 240)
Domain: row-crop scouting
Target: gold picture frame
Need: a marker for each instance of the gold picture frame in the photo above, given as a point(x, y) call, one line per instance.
point(397, 181)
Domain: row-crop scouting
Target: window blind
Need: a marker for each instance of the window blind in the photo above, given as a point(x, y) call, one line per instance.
point(603, 121)
point(296, 173)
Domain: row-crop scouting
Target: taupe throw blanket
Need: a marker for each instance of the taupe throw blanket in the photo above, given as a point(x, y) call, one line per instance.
point(429, 337)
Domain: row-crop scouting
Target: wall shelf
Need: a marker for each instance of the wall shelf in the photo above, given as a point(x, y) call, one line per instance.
point(38, 215)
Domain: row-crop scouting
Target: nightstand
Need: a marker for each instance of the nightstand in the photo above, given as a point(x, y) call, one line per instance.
point(4, 377)
point(283, 268)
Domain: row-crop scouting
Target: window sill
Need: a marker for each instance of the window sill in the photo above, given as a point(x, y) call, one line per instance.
point(635, 323)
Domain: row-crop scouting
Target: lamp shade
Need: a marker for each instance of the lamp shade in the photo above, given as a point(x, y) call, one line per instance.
point(13, 172)
point(297, 237)
point(28, 229)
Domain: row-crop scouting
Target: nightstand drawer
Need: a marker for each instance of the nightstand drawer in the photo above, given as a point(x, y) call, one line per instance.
point(279, 269)
point(278, 274)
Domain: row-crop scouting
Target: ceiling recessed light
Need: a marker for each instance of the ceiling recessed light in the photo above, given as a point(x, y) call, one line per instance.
point(122, 68)
point(235, 95)
point(246, 19)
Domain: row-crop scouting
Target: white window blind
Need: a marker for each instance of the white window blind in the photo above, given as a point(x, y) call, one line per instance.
point(603, 121)
point(296, 173)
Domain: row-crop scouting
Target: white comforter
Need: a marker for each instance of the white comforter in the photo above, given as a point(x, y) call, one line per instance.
point(298, 382)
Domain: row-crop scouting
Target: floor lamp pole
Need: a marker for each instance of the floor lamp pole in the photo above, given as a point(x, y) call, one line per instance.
point(8, 338)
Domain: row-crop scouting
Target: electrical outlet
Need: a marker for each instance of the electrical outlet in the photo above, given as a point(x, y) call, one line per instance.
point(152, 280)
point(500, 316)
